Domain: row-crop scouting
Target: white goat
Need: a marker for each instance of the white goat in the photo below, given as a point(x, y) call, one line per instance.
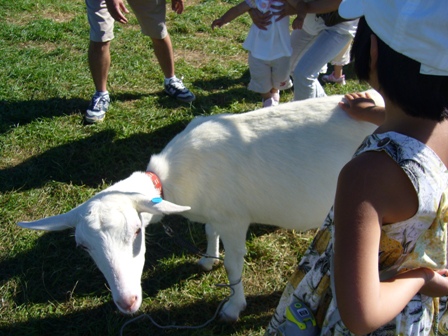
point(274, 166)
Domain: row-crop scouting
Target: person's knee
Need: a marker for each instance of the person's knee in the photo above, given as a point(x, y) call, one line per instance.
point(99, 46)
point(299, 75)
point(163, 39)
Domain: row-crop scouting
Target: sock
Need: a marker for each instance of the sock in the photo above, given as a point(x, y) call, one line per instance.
point(168, 79)
point(101, 93)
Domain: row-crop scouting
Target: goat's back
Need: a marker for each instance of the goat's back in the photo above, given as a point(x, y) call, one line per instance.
point(271, 166)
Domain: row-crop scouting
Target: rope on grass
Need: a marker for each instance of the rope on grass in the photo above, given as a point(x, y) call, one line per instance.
point(185, 327)
point(193, 249)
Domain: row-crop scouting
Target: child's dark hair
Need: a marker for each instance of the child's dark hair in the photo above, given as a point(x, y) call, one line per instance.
point(419, 95)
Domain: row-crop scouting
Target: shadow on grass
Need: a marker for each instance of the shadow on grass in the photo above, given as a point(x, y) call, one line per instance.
point(88, 161)
point(54, 270)
point(55, 274)
point(220, 91)
point(23, 112)
point(203, 105)
point(105, 320)
point(255, 317)
point(99, 157)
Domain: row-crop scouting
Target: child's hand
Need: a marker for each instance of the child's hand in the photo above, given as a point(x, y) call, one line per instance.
point(361, 106)
point(283, 10)
point(436, 284)
point(117, 9)
point(177, 6)
point(356, 103)
point(297, 23)
point(294, 3)
point(261, 20)
point(218, 23)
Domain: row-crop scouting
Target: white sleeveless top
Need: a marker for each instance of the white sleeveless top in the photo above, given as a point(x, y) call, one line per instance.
point(272, 43)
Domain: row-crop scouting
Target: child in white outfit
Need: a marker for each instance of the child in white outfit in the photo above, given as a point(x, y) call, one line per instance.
point(269, 51)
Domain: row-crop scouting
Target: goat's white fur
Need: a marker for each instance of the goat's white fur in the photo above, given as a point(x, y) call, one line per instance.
point(274, 166)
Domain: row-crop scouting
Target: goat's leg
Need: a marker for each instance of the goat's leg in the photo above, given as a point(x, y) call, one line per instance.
point(235, 248)
point(212, 253)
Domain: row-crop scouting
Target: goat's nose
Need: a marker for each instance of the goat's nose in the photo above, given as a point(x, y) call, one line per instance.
point(127, 304)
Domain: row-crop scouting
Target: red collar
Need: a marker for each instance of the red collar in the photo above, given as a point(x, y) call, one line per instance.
point(157, 184)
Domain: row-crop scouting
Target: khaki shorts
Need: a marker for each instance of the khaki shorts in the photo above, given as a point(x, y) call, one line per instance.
point(150, 15)
point(265, 75)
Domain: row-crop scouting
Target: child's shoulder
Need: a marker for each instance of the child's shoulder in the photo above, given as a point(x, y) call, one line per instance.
point(374, 178)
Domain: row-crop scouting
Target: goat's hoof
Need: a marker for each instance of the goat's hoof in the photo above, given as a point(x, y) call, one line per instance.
point(207, 263)
point(230, 313)
point(227, 318)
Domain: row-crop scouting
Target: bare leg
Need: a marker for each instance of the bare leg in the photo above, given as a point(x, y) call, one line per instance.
point(163, 50)
point(269, 94)
point(99, 63)
point(271, 98)
point(337, 71)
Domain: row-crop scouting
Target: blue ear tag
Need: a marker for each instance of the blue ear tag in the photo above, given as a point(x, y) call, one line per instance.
point(157, 200)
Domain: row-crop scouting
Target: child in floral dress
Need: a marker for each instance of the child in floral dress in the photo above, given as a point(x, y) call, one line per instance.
point(378, 264)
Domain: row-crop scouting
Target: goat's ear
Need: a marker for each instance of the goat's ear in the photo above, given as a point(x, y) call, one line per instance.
point(53, 223)
point(157, 206)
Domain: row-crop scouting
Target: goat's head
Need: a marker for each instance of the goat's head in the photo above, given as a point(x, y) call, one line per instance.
point(111, 229)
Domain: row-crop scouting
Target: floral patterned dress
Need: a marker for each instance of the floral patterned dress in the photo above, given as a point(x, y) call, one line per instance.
point(420, 241)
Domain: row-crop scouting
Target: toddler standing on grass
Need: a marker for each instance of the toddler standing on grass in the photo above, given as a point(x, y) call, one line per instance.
point(269, 51)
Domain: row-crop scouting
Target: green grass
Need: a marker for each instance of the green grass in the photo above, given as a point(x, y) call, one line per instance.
point(50, 162)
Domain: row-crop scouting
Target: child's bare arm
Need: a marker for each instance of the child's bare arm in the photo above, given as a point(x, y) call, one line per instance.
point(231, 14)
point(320, 6)
point(372, 191)
point(302, 7)
point(297, 23)
point(361, 106)
point(261, 20)
point(287, 8)
point(299, 5)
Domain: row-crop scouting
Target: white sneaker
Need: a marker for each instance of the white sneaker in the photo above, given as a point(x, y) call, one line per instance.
point(96, 112)
point(176, 89)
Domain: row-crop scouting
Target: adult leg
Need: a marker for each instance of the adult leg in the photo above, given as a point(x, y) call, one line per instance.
point(101, 33)
point(174, 87)
point(163, 50)
point(151, 15)
point(325, 47)
point(300, 43)
point(99, 63)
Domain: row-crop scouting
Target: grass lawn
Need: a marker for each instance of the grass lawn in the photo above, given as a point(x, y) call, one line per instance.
point(50, 162)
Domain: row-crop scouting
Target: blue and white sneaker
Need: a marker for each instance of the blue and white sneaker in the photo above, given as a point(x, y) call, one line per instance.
point(176, 89)
point(96, 112)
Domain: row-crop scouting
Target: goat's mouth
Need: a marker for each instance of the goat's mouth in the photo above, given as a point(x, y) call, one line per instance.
point(129, 305)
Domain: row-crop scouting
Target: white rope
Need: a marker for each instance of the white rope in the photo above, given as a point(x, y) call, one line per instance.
point(185, 327)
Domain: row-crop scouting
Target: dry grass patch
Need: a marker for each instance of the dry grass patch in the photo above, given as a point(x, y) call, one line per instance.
point(25, 18)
